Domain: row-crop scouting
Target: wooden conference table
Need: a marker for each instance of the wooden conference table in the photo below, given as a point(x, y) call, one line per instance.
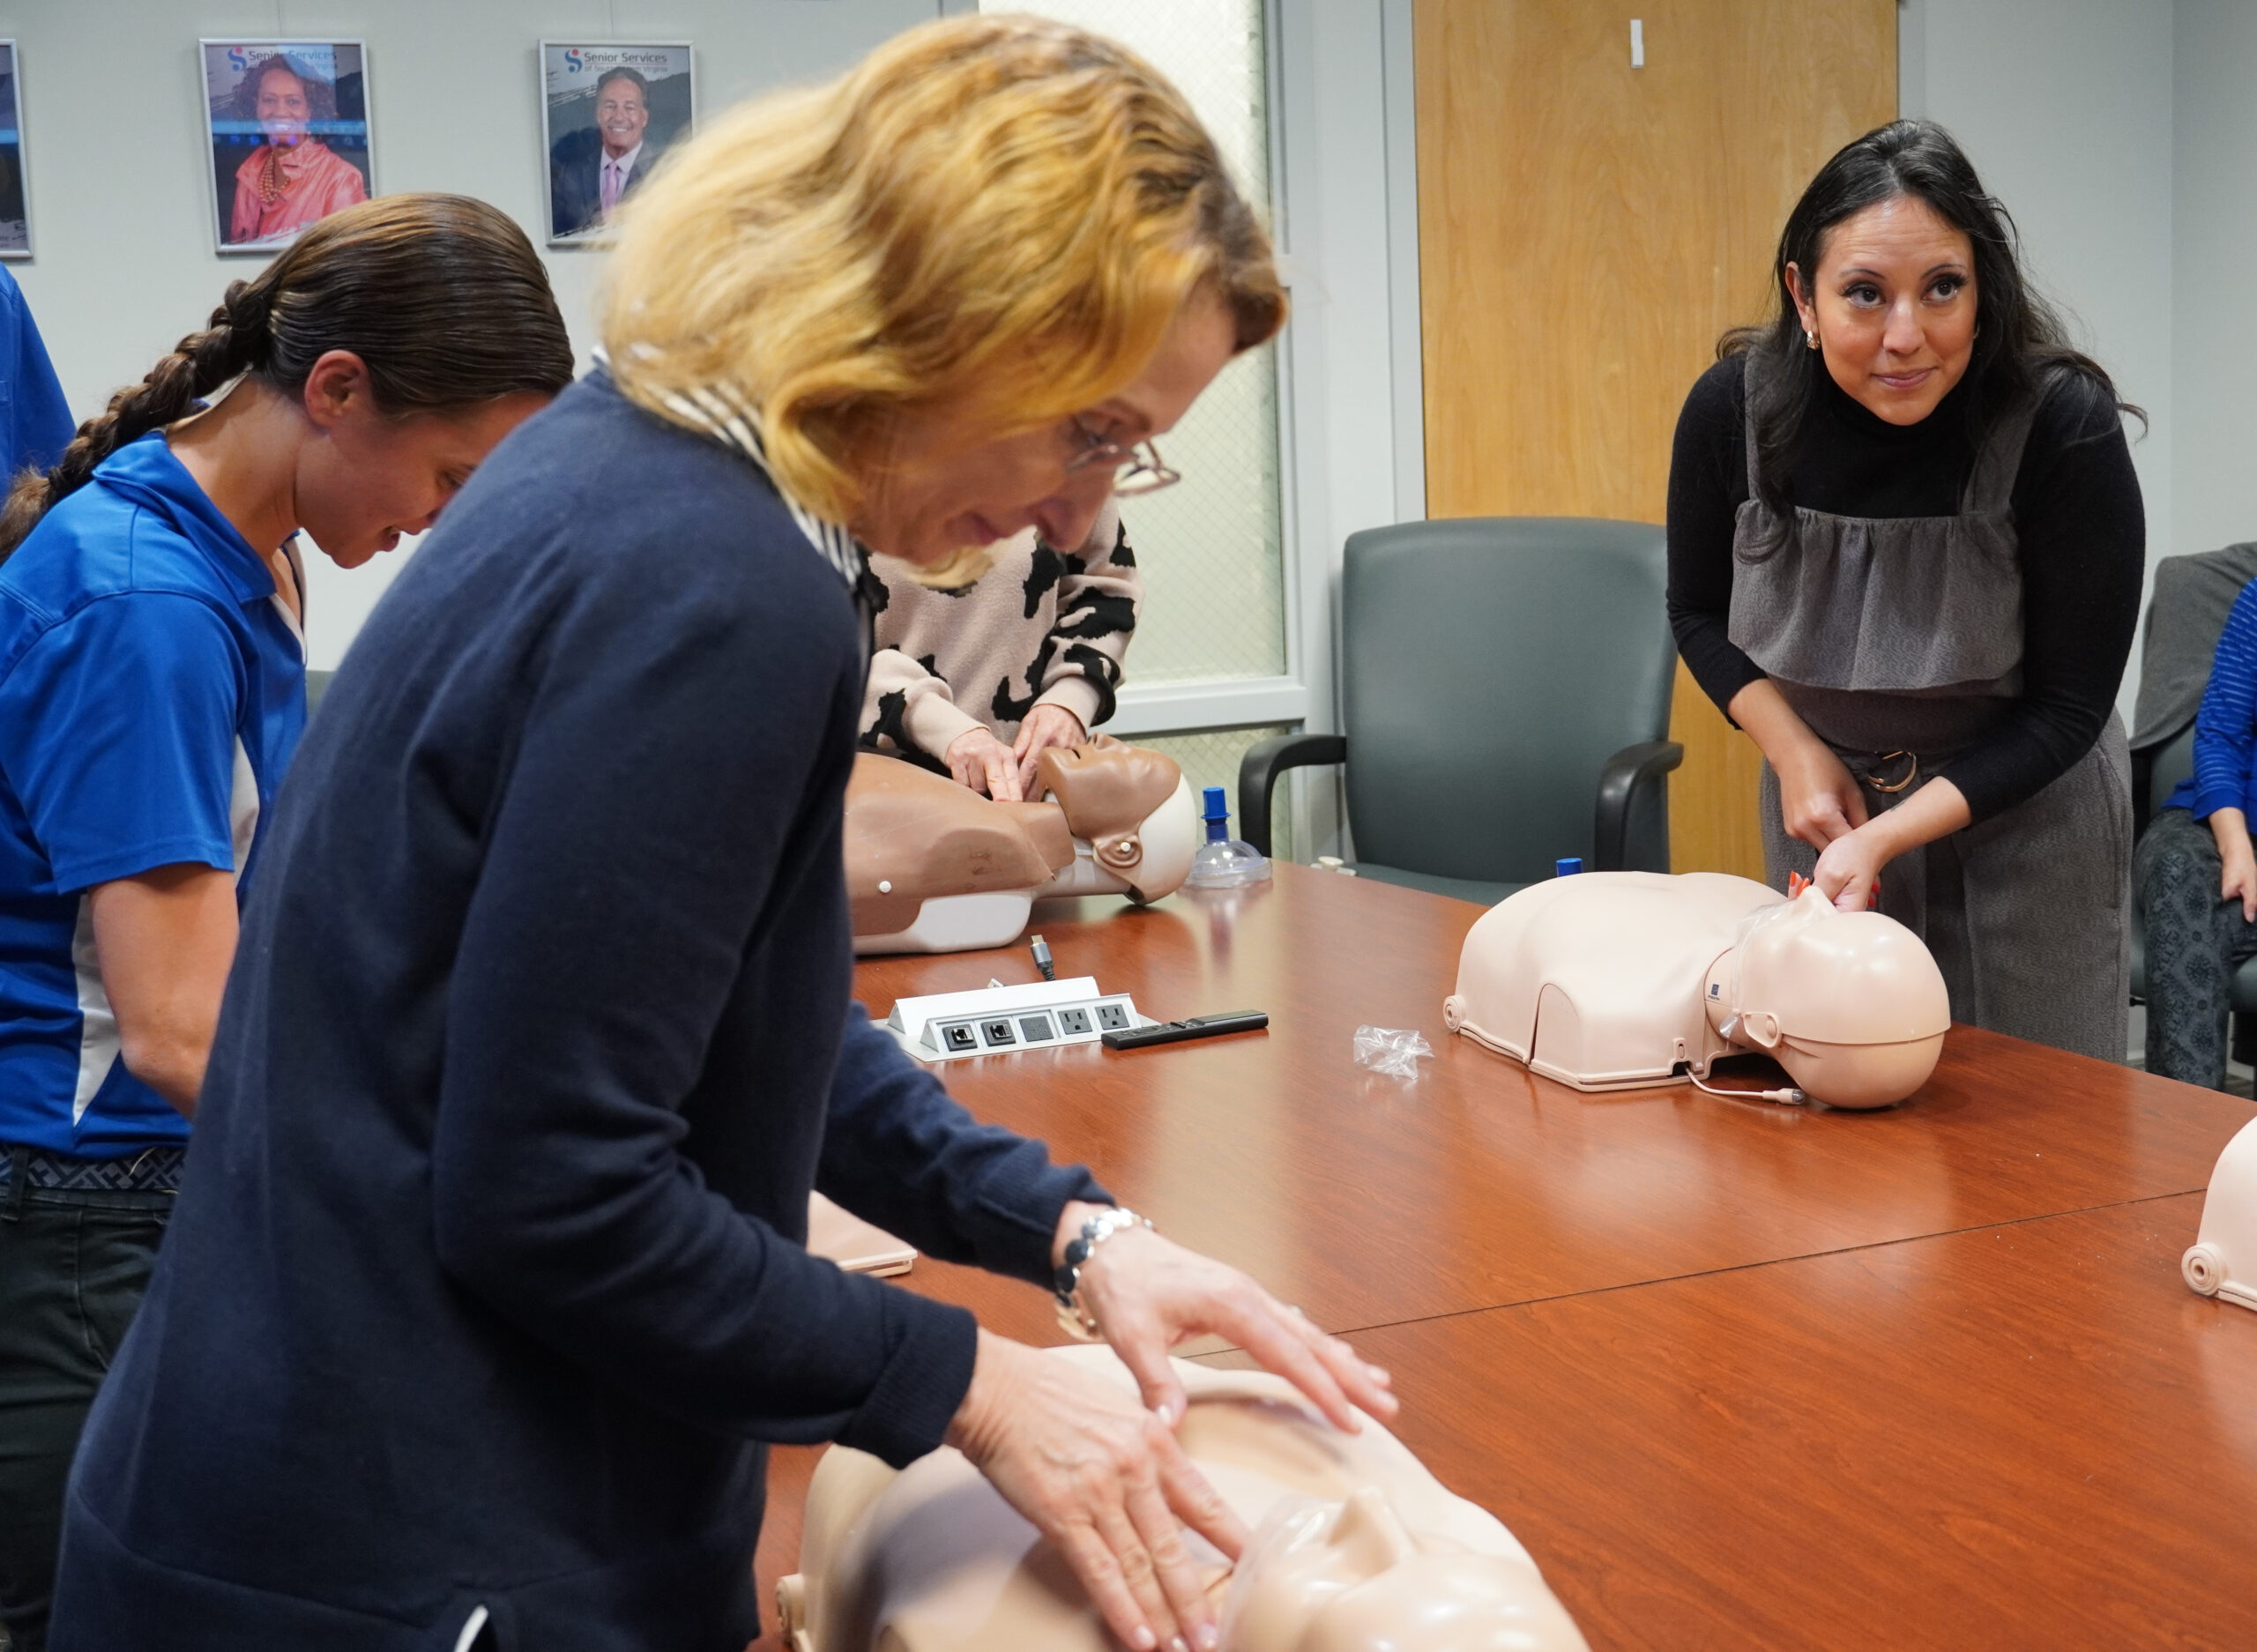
point(1739, 1375)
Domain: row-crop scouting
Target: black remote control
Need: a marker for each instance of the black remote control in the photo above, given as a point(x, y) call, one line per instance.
point(1196, 1027)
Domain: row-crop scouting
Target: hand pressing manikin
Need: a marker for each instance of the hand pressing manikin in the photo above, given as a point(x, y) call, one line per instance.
point(1351, 1546)
point(977, 759)
point(1103, 1476)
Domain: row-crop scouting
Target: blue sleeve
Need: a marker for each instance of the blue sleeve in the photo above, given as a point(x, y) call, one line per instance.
point(2225, 728)
point(118, 733)
point(900, 1153)
point(38, 419)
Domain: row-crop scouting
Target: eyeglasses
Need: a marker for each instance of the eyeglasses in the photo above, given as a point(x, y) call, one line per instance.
point(1137, 469)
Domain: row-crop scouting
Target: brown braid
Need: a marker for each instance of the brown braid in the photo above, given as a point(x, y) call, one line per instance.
point(441, 296)
point(199, 365)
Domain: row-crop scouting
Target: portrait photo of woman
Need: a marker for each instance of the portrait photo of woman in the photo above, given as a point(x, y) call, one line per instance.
point(289, 137)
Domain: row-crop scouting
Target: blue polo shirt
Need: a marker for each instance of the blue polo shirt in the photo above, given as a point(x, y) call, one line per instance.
point(152, 691)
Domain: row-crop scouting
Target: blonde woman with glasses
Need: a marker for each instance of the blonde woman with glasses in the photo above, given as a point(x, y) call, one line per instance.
point(486, 1290)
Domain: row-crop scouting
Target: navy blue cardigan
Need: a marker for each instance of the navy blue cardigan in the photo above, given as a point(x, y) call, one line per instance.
point(486, 1275)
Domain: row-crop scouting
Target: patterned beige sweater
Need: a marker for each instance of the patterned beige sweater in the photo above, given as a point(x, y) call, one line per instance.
point(1040, 627)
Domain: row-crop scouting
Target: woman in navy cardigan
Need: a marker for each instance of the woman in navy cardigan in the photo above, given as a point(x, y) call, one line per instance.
point(486, 1288)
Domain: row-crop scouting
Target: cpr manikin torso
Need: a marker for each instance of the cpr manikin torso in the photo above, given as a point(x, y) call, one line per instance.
point(935, 867)
point(1356, 1548)
point(1620, 979)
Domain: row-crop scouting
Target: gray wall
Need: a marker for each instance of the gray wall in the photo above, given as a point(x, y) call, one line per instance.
point(120, 164)
point(2213, 275)
point(2066, 108)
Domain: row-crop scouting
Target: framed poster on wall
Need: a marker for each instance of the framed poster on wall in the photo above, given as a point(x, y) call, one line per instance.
point(290, 129)
point(608, 113)
point(15, 210)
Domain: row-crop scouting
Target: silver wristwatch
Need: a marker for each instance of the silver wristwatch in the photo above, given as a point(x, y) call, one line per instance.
point(1076, 1318)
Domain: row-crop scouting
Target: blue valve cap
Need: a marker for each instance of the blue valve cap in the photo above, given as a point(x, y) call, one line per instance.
point(1571, 863)
point(1216, 809)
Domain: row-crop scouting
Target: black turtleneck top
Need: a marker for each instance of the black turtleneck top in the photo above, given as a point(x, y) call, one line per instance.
point(2077, 516)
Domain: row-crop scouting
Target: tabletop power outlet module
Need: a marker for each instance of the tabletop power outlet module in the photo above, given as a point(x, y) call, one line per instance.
point(1004, 1020)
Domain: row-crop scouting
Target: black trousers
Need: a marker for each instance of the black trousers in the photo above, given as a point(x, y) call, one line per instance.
point(73, 1267)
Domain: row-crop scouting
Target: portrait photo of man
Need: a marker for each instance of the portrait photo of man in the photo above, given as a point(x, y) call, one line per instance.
point(610, 112)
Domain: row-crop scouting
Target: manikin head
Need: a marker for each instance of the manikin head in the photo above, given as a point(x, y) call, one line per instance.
point(1852, 1004)
point(1351, 1577)
point(913, 836)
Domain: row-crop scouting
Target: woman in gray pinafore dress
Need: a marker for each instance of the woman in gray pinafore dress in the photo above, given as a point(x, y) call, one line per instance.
point(1906, 545)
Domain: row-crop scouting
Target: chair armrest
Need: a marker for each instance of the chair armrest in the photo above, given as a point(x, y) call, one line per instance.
point(1618, 782)
point(1264, 762)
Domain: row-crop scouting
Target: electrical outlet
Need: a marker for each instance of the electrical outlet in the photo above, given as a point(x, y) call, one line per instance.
point(998, 1020)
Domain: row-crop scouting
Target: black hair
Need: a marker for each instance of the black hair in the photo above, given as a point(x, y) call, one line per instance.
point(2021, 347)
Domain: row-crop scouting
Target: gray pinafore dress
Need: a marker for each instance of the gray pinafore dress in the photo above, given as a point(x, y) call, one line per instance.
point(1899, 642)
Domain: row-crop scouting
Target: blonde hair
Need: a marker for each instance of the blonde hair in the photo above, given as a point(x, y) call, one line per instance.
point(1000, 209)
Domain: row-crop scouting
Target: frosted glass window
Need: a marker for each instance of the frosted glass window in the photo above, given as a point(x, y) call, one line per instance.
point(1211, 548)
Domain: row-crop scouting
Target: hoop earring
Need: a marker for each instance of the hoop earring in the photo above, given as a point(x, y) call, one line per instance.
point(1811, 337)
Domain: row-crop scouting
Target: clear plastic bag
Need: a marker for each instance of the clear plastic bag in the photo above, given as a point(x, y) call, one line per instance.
point(1395, 1051)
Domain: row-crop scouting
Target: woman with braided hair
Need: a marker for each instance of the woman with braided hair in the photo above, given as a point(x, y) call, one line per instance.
point(152, 691)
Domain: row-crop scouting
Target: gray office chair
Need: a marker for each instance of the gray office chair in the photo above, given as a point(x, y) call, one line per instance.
point(2184, 618)
point(1506, 684)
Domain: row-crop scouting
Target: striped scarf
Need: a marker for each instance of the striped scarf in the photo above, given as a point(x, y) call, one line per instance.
point(720, 415)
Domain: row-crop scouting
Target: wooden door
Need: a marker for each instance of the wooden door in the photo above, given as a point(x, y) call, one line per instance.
point(1586, 229)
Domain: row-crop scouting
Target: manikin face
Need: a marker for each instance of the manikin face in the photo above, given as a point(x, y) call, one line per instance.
point(283, 108)
point(942, 495)
point(1892, 302)
point(1852, 1004)
point(1349, 1577)
point(369, 478)
point(621, 116)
